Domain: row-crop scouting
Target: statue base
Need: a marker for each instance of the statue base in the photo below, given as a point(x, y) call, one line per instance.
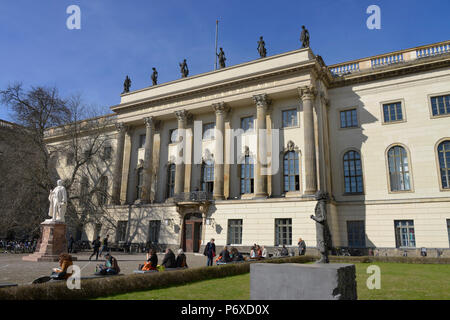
point(52, 242)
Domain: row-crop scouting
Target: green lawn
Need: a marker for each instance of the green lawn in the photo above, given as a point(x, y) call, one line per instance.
point(398, 282)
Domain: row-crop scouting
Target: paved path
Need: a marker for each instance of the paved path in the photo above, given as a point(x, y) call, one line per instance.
point(13, 269)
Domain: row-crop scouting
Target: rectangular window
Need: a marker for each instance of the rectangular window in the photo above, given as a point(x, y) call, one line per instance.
point(70, 159)
point(349, 119)
point(440, 105)
point(404, 233)
point(173, 136)
point(356, 234)
point(290, 118)
point(448, 231)
point(107, 151)
point(141, 141)
point(208, 131)
point(283, 232)
point(121, 233)
point(392, 112)
point(153, 231)
point(247, 124)
point(234, 231)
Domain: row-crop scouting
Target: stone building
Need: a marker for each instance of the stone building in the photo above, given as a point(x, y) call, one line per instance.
point(374, 133)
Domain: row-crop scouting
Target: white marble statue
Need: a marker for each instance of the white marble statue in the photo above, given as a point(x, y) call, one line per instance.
point(58, 203)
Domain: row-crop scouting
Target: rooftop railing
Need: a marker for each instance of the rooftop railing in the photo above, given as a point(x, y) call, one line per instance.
point(389, 59)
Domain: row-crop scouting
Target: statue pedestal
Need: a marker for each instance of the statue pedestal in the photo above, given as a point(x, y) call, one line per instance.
point(51, 244)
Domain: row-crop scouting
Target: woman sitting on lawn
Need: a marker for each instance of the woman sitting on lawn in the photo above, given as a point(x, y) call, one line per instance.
point(181, 259)
point(152, 261)
point(169, 259)
point(110, 267)
point(65, 260)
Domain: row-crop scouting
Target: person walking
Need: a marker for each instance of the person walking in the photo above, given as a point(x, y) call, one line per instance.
point(301, 247)
point(105, 245)
point(70, 244)
point(210, 252)
point(96, 244)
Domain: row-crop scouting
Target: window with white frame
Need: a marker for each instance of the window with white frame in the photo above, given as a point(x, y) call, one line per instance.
point(349, 118)
point(444, 163)
point(398, 169)
point(290, 118)
point(392, 112)
point(283, 232)
point(404, 233)
point(440, 105)
point(234, 231)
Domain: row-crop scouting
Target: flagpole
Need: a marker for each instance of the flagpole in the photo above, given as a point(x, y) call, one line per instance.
point(217, 35)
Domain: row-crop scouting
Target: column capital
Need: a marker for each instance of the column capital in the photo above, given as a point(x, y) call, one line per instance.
point(122, 127)
point(307, 92)
point(149, 122)
point(183, 115)
point(220, 108)
point(262, 101)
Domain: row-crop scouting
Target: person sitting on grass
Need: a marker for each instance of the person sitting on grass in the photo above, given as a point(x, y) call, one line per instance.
point(224, 256)
point(181, 259)
point(65, 261)
point(111, 267)
point(152, 261)
point(169, 259)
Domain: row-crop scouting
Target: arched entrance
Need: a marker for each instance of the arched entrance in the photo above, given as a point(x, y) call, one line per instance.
point(192, 235)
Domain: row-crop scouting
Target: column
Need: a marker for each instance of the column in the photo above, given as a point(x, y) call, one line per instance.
point(221, 109)
point(179, 170)
point(262, 104)
point(125, 168)
point(148, 149)
point(308, 95)
point(117, 174)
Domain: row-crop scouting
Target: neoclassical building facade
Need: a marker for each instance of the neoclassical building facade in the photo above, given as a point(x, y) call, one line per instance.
point(237, 154)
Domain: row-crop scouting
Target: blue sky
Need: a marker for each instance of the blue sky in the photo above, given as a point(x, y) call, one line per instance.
point(130, 37)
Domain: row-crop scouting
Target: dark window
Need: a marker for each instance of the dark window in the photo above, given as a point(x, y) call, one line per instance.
point(440, 105)
point(283, 232)
point(392, 112)
point(353, 172)
point(356, 234)
point(247, 124)
point(107, 153)
point(142, 141)
point(404, 233)
point(349, 118)
point(153, 231)
point(208, 131)
point(84, 190)
point(140, 183)
point(444, 163)
point(171, 180)
point(121, 231)
point(208, 176)
point(290, 118)
point(70, 159)
point(103, 190)
point(398, 169)
point(291, 172)
point(247, 175)
point(173, 136)
point(234, 231)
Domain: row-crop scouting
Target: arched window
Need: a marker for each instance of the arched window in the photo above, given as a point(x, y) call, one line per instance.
point(444, 163)
point(353, 172)
point(247, 176)
point(140, 183)
point(291, 171)
point(170, 180)
point(398, 169)
point(208, 176)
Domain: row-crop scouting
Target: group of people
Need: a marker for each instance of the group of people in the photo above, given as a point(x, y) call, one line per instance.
point(169, 261)
point(258, 252)
point(224, 256)
point(25, 246)
point(96, 244)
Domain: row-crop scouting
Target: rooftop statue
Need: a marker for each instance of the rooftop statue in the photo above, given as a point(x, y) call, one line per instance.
point(262, 48)
point(304, 37)
point(155, 77)
point(184, 69)
point(222, 58)
point(126, 85)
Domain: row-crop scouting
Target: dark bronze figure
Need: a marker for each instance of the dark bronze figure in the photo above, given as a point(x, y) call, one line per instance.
point(304, 37)
point(262, 48)
point(126, 85)
point(184, 69)
point(323, 234)
point(155, 77)
point(222, 58)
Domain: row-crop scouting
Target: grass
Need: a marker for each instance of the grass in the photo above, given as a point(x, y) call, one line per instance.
point(399, 281)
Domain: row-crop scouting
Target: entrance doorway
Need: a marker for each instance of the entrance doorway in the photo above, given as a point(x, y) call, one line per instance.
point(192, 235)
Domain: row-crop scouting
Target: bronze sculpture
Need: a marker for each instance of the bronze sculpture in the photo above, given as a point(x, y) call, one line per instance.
point(304, 37)
point(155, 77)
point(184, 69)
point(222, 58)
point(126, 85)
point(323, 234)
point(262, 48)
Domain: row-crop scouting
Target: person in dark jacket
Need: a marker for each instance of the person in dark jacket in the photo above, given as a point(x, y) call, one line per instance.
point(169, 259)
point(152, 261)
point(70, 244)
point(210, 252)
point(301, 247)
point(105, 245)
point(236, 255)
point(284, 251)
point(225, 255)
point(96, 244)
point(181, 259)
